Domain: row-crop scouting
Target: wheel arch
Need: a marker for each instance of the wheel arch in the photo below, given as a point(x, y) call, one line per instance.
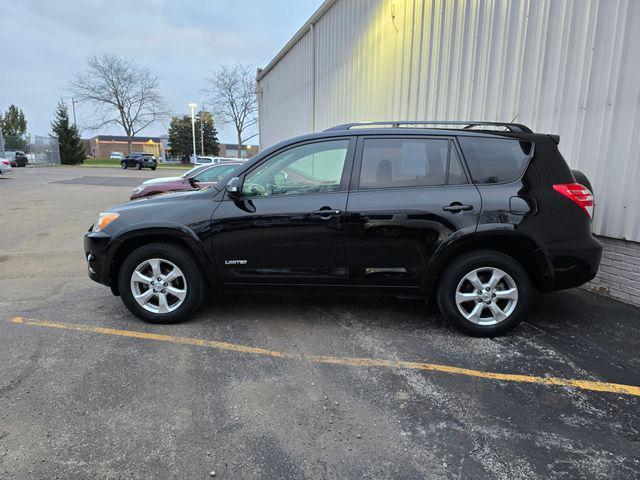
point(519, 247)
point(129, 242)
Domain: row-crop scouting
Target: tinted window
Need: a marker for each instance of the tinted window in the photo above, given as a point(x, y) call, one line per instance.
point(456, 173)
point(399, 162)
point(493, 160)
point(310, 168)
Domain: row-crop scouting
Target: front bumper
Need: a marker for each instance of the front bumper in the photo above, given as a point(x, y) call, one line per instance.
point(575, 261)
point(96, 246)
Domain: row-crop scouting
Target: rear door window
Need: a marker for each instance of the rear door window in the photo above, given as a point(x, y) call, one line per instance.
point(456, 173)
point(495, 160)
point(409, 162)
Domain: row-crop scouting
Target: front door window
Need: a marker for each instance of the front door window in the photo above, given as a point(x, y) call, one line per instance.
point(305, 169)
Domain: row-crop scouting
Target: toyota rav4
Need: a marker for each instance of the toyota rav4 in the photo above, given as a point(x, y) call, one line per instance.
point(476, 215)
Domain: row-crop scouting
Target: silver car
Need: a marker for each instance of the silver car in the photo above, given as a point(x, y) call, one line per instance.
point(5, 167)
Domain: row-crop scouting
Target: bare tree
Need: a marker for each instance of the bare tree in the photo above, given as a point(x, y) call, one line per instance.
point(233, 92)
point(122, 93)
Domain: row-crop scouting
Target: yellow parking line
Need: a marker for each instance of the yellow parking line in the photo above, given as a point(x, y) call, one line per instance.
point(346, 361)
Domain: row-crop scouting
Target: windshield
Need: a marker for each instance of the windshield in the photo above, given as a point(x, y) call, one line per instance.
point(216, 173)
point(193, 171)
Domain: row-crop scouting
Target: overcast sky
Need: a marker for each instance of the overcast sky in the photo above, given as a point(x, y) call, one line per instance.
point(45, 41)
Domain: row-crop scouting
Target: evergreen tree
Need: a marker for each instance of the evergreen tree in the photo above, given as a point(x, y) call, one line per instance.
point(209, 133)
point(71, 150)
point(14, 126)
point(181, 137)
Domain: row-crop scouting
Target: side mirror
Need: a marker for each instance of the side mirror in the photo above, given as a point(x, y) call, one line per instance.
point(233, 187)
point(193, 182)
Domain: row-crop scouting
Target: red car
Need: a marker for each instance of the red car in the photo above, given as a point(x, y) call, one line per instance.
point(195, 178)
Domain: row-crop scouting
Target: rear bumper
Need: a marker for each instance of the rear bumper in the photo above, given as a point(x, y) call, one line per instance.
point(574, 262)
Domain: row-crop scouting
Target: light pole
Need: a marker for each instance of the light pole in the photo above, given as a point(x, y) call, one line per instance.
point(193, 129)
point(202, 116)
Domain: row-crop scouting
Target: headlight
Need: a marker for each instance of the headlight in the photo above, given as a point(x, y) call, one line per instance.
point(104, 219)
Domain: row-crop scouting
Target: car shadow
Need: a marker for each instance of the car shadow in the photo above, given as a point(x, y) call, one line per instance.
point(367, 309)
point(554, 314)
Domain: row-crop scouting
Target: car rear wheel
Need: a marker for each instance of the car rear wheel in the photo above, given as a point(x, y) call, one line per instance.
point(484, 293)
point(161, 283)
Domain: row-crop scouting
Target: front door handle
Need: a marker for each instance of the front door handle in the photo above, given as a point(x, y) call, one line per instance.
point(457, 207)
point(326, 213)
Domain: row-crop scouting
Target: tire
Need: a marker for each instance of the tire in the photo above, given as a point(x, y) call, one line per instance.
point(153, 169)
point(192, 283)
point(123, 165)
point(487, 321)
point(139, 166)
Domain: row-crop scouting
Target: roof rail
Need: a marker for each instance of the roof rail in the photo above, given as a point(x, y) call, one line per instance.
point(512, 127)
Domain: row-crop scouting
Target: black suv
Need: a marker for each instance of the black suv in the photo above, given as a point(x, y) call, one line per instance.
point(139, 160)
point(17, 158)
point(476, 215)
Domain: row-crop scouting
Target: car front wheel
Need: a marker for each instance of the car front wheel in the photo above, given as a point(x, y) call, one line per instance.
point(123, 165)
point(161, 283)
point(484, 293)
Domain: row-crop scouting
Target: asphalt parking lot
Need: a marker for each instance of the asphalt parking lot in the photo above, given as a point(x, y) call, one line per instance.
point(281, 386)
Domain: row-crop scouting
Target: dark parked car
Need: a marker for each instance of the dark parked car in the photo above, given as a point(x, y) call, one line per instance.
point(198, 177)
point(139, 160)
point(16, 158)
point(473, 217)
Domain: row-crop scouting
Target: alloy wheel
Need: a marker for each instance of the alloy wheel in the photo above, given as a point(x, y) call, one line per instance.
point(486, 296)
point(158, 285)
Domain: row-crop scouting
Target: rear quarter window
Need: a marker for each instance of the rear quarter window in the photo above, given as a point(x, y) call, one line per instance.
point(495, 160)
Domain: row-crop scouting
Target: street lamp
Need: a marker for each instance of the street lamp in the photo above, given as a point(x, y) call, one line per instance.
point(193, 129)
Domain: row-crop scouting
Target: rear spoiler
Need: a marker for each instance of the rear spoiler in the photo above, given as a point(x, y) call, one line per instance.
point(555, 138)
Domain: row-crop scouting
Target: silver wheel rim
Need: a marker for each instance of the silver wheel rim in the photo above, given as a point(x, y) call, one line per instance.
point(158, 286)
point(486, 296)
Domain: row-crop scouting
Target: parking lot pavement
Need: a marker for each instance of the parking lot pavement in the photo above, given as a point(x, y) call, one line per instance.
point(289, 386)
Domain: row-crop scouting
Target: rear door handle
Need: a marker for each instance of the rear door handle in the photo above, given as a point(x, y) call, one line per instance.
point(457, 207)
point(326, 213)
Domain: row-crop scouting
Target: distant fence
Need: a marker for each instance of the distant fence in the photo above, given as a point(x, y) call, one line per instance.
point(40, 150)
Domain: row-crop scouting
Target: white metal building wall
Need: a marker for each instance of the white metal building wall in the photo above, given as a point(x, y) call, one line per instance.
point(570, 67)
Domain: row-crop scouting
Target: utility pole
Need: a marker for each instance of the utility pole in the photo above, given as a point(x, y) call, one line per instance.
point(202, 131)
point(73, 107)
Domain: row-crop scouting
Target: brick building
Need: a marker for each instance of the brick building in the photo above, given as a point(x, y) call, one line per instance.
point(101, 146)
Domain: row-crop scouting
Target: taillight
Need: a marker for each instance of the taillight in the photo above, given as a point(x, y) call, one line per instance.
point(6, 163)
point(578, 193)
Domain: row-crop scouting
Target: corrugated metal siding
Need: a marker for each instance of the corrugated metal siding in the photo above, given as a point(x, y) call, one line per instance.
point(284, 96)
point(567, 67)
